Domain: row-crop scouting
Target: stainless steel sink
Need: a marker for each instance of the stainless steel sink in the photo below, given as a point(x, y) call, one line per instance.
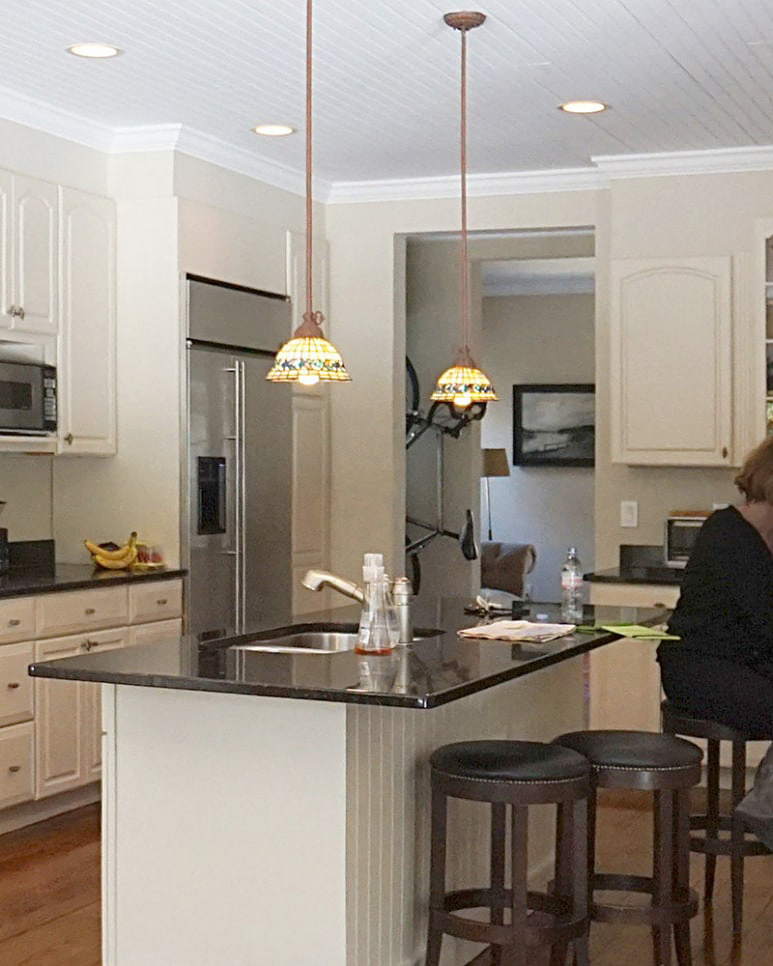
point(312, 638)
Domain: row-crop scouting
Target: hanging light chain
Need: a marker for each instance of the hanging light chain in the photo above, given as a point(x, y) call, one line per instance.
point(463, 269)
point(309, 237)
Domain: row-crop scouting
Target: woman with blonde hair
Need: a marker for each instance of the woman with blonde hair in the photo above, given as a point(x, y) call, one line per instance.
point(722, 666)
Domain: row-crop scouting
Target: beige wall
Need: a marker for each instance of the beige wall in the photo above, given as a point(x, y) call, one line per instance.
point(533, 339)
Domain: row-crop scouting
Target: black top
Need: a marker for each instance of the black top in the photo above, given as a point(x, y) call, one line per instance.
point(24, 583)
point(726, 603)
point(432, 671)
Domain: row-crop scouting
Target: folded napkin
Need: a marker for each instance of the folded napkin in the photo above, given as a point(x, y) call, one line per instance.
point(640, 631)
point(537, 633)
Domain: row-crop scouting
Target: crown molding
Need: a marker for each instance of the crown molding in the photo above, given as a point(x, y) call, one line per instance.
point(479, 185)
point(716, 161)
point(36, 114)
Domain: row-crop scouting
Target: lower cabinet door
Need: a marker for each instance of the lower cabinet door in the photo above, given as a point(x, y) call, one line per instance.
point(17, 767)
point(67, 717)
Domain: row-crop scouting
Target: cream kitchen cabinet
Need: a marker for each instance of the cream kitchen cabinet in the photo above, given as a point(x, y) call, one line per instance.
point(50, 730)
point(87, 332)
point(671, 361)
point(67, 721)
point(29, 255)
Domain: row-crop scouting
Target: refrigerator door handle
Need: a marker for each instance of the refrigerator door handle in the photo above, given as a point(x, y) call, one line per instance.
point(238, 440)
point(241, 498)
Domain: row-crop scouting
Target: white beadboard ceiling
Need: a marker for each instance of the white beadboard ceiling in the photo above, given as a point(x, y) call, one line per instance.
point(680, 76)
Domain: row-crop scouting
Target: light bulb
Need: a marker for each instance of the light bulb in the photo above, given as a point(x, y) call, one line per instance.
point(309, 380)
point(462, 402)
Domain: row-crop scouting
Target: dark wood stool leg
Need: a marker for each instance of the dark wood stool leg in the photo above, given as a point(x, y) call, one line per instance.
point(662, 875)
point(498, 831)
point(437, 876)
point(565, 837)
point(681, 841)
point(580, 879)
point(737, 839)
point(712, 813)
point(519, 845)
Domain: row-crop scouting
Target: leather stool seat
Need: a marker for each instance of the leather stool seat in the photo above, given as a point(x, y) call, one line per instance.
point(508, 777)
point(509, 761)
point(636, 750)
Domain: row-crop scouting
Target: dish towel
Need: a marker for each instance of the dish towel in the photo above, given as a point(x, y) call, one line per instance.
point(536, 633)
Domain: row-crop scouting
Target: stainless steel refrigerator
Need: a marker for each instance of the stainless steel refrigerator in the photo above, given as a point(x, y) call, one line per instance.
point(239, 460)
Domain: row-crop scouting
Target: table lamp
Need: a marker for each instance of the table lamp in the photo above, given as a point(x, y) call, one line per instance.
point(494, 464)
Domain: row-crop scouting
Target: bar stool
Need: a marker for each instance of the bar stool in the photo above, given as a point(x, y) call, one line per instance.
point(669, 767)
point(518, 774)
point(679, 722)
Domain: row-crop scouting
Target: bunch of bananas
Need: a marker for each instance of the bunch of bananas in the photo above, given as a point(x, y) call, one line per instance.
point(111, 557)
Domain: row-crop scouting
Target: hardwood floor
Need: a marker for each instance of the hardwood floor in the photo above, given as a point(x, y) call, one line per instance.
point(49, 897)
point(50, 892)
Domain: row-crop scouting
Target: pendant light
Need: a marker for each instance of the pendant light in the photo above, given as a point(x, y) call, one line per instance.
point(308, 357)
point(464, 383)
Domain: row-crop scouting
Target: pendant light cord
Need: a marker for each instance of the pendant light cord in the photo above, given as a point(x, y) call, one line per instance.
point(465, 306)
point(309, 311)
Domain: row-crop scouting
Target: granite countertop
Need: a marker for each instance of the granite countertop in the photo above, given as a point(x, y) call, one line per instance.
point(428, 673)
point(22, 583)
point(638, 575)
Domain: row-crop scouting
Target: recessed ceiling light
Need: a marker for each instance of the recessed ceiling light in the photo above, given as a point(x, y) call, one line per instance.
point(583, 107)
point(273, 130)
point(97, 51)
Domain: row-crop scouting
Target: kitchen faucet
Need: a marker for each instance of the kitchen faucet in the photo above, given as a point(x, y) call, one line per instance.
point(401, 591)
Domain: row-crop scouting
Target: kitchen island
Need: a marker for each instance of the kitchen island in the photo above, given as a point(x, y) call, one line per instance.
point(241, 827)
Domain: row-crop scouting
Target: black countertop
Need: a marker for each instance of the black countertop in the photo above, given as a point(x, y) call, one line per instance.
point(638, 575)
point(22, 583)
point(430, 672)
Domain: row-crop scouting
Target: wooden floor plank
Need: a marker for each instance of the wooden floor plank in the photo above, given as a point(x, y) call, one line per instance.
point(49, 897)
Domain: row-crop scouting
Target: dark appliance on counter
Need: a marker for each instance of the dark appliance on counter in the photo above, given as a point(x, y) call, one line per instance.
point(682, 528)
point(237, 526)
point(27, 398)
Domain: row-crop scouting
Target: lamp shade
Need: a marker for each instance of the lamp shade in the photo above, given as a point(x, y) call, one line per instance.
point(495, 463)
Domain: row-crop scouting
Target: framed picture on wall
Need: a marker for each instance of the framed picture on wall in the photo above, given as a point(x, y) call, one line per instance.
point(554, 424)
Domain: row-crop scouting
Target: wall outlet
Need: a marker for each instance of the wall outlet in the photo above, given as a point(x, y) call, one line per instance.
point(629, 513)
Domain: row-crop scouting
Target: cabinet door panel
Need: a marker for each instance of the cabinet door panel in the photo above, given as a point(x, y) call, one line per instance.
point(6, 319)
point(17, 619)
point(155, 601)
point(87, 391)
point(156, 632)
point(16, 765)
point(58, 723)
point(670, 330)
point(81, 610)
point(16, 703)
point(92, 704)
point(35, 255)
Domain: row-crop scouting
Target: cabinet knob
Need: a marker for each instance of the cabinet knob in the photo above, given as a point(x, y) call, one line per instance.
point(13, 685)
point(68, 439)
point(724, 452)
point(89, 644)
point(14, 622)
point(161, 602)
point(89, 611)
point(20, 312)
point(14, 768)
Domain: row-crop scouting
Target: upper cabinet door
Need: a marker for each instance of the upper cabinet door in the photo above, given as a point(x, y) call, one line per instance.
point(6, 318)
point(670, 340)
point(34, 245)
point(86, 345)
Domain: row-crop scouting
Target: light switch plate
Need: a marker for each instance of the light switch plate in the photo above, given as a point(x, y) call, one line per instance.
point(629, 513)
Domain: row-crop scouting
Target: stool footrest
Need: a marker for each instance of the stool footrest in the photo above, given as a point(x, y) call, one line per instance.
point(683, 902)
point(708, 846)
point(550, 917)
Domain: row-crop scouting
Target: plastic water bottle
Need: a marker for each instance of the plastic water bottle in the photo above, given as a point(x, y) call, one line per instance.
point(571, 588)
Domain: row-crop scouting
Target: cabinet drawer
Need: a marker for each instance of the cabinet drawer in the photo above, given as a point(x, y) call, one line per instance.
point(81, 610)
point(16, 702)
point(17, 619)
point(16, 764)
point(157, 631)
point(155, 601)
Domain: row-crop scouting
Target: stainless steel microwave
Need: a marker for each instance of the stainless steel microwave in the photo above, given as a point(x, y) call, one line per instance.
point(27, 398)
point(681, 533)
